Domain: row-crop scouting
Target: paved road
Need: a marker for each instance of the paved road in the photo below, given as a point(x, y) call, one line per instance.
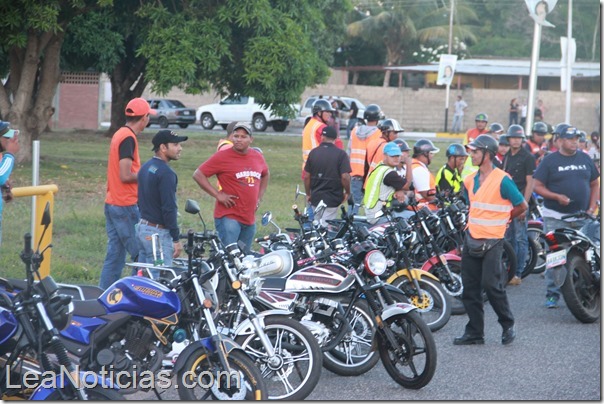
point(554, 357)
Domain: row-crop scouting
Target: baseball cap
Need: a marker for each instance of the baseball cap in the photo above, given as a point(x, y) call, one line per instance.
point(391, 149)
point(139, 107)
point(329, 132)
point(4, 127)
point(10, 133)
point(569, 133)
point(166, 136)
point(244, 126)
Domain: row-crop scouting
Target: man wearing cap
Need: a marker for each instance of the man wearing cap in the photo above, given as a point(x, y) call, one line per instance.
point(121, 209)
point(568, 182)
point(493, 200)
point(157, 184)
point(244, 176)
point(9, 147)
point(384, 183)
point(327, 176)
point(536, 143)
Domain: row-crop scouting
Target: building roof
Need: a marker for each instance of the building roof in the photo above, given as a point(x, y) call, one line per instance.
point(509, 67)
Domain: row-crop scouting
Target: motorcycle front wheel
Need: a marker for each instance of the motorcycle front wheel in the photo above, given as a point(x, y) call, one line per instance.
point(295, 370)
point(203, 378)
point(412, 361)
point(96, 393)
point(580, 291)
point(353, 356)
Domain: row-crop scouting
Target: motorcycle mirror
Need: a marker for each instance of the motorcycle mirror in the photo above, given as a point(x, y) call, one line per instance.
point(266, 218)
point(298, 192)
point(192, 207)
point(46, 219)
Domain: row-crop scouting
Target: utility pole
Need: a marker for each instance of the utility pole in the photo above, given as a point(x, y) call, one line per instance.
point(447, 92)
point(569, 61)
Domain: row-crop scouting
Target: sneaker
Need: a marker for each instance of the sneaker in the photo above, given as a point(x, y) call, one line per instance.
point(551, 303)
point(515, 281)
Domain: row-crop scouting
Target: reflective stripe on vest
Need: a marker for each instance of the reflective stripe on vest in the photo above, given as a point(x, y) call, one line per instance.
point(489, 211)
point(374, 186)
point(358, 151)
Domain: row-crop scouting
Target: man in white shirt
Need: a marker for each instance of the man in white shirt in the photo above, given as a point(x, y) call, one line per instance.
point(460, 106)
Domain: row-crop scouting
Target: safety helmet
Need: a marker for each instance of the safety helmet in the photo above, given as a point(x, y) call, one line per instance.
point(515, 131)
point(484, 142)
point(582, 136)
point(424, 146)
point(373, 112)
point(388, 125)
point(495, 127)
point(322, 105)
point(540, 127)
point(503, 140)
point(455, 150)
point(482, 117)
point(402, 144)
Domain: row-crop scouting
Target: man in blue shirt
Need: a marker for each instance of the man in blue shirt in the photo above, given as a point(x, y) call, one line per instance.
point(568, 181)
point(157, 200)
point(9, 147)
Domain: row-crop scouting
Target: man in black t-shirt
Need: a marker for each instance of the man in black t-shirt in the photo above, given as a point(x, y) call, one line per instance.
point(568, 181)
point(520, 164)
point(328, 179)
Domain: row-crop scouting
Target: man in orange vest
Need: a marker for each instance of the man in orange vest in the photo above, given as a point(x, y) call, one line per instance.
point(322, 113)
point(536, 142)
point(390, 128)
point(121, 203)
point(481, 121)
point(357, 150)
point(494, 201)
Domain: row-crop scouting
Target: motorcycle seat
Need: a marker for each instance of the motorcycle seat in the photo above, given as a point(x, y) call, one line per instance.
point(274, 283)
point(88, 308)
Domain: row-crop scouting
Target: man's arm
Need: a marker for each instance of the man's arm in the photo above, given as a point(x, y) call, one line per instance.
point(346, 185)
point(408, 173)
point(126, 174)
point(519, 209)
point(307, 185)
point(547, 194)
point(201, 180)
point(263, 185)
point(594, 187)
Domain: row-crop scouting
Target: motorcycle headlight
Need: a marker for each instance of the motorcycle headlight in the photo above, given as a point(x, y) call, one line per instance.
point(375, 263)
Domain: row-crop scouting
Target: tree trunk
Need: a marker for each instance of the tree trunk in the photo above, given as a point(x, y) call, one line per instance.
point(387, 74)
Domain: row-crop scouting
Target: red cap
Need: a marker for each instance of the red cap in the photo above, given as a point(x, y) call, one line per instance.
point(139, 107)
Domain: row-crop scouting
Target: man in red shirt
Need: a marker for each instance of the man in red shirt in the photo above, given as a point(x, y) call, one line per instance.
point(243, 176)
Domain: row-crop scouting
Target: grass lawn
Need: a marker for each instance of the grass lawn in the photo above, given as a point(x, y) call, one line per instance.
point(76, 163)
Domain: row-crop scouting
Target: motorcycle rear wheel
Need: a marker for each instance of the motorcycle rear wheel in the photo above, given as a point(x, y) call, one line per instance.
point(354, 356)
point(581, 294)
point(200, 370)
point(412, 362)
point(532, 257)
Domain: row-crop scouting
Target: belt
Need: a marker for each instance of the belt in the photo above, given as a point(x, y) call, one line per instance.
point(148, 223)
point(357, 177)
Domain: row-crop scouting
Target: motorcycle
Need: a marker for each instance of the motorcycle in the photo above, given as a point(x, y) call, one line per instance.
point(574, 256)
point(31, 315)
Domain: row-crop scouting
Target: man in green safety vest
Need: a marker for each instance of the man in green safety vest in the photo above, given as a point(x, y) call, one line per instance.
point(448, 178)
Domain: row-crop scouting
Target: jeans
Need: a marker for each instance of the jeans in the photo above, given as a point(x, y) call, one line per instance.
point(356, 189)
point(456, 125)
point(231, 231)
point(513, 118)
point(120, 225)
point(145, 237)
point(484, 273)
point(551, 224)
point(351, 123)
point(517, 235)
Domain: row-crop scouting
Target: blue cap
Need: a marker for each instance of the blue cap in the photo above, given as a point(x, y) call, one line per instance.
point(391, 149)
point(10, 133)
point(4, 127)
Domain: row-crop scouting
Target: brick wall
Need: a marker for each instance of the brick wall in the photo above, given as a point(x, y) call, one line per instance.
point(77, 102)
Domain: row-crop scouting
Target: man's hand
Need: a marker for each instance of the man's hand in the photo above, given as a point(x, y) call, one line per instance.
point(177, 249)
point(11, 145)
point(7, 191)
point(563, 199)
point(400, 196)
point(226, 199)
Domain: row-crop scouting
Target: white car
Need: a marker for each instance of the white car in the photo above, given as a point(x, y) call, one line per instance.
point(343, 106)
point(239, 108)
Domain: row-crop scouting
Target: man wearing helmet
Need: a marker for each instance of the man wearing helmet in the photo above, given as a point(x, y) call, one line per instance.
point(496, 130)
point(357, 150)
point(390, 128)
point(481, 121)
point(404, 168)
point(536, 143)
point(569, 182)
point(448, 178)
point(423, 180)
point(322, 113)
point(520, 165)
point(494, 199)
point(502, 150)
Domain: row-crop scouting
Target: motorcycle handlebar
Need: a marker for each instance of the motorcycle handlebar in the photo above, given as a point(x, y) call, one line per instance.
point(580, 213)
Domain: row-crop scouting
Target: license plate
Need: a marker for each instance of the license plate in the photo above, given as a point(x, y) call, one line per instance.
point(186, 113)
point(555, 259)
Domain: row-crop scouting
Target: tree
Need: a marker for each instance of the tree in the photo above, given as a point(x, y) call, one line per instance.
point(32, 35)
point(268, 49)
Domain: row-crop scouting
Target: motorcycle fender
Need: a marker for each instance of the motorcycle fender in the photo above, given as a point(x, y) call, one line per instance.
point(434, 260)
point(396, 308)
point(61, 380)
point(247, 328)
point(204, 344)
point(415, 274)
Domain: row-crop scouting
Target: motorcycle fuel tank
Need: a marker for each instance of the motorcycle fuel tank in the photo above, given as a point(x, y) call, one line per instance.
point(8, 325)
point(276, 263)
point(141, 297)
point(330, 278)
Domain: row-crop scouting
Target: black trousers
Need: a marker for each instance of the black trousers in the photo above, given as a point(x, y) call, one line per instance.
point(484, 273)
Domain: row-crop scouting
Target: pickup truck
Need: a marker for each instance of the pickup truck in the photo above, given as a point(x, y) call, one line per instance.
point(239, 108)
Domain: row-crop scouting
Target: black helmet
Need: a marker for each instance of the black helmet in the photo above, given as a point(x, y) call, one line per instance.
point(373, 112)
point(455, 149)
point(424, 146)
point(484, 142)
point(503, 140)
point(388, 125)
point(321, 105)
point(582, 136)
point(515, 131)
point(482, 117)
point(540, 127)
point(402, 144)
point(495, 127)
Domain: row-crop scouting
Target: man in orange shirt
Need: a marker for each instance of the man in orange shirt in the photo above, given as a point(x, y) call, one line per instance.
point(121, 203)
point(481, 121)
point(390, 129)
